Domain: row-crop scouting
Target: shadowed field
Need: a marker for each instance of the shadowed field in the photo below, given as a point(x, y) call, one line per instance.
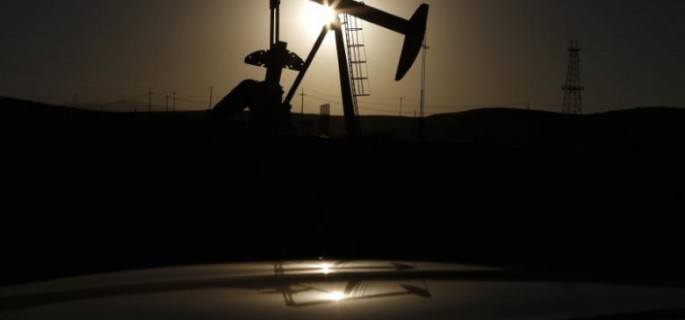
point(92, 191)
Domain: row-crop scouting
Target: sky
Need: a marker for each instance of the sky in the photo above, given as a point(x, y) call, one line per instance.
point(483, 53)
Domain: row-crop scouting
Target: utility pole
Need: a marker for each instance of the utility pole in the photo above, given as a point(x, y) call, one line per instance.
point(401, 105)
point(211, 93)
point(174, 93)
point(149, 100)
point(166, 109)
point(425, 47)
point(302, 105)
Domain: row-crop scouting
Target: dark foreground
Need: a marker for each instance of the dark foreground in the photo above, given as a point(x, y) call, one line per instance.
point(89, 192)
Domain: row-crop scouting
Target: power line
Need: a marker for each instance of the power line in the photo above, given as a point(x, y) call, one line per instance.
point(325, 100)
point(211, 93)
point(378, 110)
point(400, 106)
point(366, 98)
point(323, 93)
point(193, 96)
point(118, 97)
point(203, 102)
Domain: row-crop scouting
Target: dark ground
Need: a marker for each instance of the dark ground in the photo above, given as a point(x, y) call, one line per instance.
point(91, 192)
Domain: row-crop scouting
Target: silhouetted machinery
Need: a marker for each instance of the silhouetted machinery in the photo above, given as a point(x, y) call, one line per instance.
point(268, 109)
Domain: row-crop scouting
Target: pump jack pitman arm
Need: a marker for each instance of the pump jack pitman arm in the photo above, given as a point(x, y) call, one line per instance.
point(414, 29)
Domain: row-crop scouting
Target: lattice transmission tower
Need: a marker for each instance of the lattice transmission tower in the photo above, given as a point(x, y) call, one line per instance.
point(573, 99)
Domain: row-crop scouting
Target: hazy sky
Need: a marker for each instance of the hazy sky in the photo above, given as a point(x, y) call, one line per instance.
point(483, 52)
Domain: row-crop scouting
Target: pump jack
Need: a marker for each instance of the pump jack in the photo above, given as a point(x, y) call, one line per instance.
point(264, 99)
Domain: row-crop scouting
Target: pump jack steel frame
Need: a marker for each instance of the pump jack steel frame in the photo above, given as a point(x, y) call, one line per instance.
point(278, 57)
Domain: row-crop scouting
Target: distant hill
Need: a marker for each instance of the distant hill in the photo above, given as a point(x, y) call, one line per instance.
point(22, 114)
point(34, 121)
point(639, 127)
point(125, 106)
point(11, 106)
point(646, 127)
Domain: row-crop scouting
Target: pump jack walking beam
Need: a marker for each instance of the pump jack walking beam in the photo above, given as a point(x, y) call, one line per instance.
point(414, 29)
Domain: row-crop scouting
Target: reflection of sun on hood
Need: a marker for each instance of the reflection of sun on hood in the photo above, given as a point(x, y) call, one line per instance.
point(382, 289)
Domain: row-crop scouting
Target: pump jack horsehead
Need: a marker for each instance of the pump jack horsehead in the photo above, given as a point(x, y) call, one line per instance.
point(269, 111)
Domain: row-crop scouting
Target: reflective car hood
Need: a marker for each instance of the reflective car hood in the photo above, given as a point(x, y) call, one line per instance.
point(340, 290)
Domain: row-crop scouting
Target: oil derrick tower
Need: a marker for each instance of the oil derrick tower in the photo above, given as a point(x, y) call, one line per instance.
point(573, 99)
point(356, 59)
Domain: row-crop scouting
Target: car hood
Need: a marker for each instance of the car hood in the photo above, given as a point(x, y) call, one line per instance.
point(341, 290)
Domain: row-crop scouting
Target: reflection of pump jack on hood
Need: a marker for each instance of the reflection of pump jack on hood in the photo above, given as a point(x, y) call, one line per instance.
point(264, 99)
point(306, 294)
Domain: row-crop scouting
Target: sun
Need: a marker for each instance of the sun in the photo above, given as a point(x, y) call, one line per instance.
point(314, 16)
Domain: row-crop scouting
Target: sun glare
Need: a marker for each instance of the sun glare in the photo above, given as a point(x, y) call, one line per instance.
point(334, 296)
point(315, 16)
point(325, 268)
